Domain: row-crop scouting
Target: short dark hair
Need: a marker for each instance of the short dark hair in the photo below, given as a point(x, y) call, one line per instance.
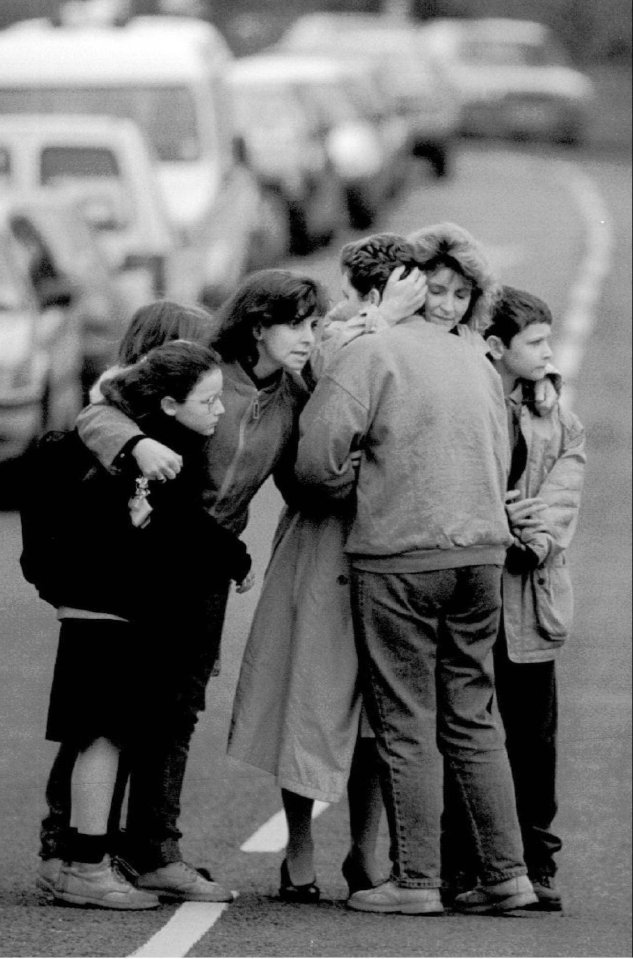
point(370, 262)
point(159, 322)
point(172, 369)
point(513, 311)
point(265, 298)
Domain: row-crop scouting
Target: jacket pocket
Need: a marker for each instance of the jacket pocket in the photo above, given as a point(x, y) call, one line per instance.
point(553, 599)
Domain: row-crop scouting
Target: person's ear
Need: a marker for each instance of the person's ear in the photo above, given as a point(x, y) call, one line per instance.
point(168, 405)
point(496, 347)
point(374, 297)
point(257, 332)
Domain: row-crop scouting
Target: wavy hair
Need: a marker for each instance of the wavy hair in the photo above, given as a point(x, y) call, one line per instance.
point(447, 244)
point(160, 322)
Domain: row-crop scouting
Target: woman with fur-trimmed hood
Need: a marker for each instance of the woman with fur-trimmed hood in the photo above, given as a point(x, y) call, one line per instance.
point(465, 288)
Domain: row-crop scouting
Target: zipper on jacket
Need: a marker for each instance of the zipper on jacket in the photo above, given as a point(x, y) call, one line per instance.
point(256, 408)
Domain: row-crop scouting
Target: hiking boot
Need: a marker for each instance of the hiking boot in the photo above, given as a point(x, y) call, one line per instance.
point(549, 898)
point(100, 884)
point(388, 897)
point(48, 872)
point(180, 881)
point(515, 893)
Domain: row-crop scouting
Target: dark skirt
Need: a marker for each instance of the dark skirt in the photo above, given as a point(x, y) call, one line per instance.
point(99, 682)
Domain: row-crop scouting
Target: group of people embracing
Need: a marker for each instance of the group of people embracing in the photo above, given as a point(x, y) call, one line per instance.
point(403, 646)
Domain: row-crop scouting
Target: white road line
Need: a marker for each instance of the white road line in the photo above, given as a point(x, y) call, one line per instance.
point(580, 315)
point(187, 925)
point(273, 835)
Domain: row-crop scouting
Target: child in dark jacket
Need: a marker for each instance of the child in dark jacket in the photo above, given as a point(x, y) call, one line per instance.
point(131, 573)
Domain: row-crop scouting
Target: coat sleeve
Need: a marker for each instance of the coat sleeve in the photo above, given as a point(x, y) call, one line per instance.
point(561, 490)
point(106, 430)
point(332, 426)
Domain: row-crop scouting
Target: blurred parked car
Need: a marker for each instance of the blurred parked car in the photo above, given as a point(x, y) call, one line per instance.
point(286, 148)
point(76, 263)
point(168, 75)
point(419, 92)
point(40, 337)
point(353, 141)
point(106, 163)
point(514, 79)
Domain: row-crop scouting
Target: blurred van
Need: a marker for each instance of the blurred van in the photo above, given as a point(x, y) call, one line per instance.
point(41, 350)
point(168, 75)
point(420, 93)
point(105, 163)
point(353, 142)
point(283, 137)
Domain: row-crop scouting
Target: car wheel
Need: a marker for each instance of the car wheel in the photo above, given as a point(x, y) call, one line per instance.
point(438, 157)
point(361, 210)
point(301, 241)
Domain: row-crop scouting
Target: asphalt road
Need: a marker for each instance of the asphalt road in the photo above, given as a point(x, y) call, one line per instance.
point(556, 224)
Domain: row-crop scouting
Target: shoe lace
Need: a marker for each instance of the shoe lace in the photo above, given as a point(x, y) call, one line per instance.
point(194, 873)
point(119, 874)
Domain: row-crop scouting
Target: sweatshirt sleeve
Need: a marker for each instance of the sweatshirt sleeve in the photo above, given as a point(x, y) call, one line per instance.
point(561, 490)
point(106, 431)
point(332, 426)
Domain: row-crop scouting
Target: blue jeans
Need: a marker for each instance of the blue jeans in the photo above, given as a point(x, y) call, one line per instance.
point(425, 644)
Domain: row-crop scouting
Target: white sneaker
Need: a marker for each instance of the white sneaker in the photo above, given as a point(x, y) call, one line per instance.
point(515, 893)
point(48, 874)
point(100, 884)
point(388, 897)
point(180, 881)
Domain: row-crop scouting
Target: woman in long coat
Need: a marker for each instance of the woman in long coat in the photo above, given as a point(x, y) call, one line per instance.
point(297, 707)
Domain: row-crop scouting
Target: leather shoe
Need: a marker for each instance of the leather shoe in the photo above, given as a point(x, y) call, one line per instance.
point(307, 893)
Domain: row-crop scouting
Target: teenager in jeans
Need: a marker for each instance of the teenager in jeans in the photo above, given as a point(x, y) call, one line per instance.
point(426, 548)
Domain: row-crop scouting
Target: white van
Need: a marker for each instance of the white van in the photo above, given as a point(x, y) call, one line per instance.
point(167, 75)
point(105, 164)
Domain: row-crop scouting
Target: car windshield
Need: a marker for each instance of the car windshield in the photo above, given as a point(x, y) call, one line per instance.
point(331, 102)
point(267, 107)
point(504, 53)
point(165, 114)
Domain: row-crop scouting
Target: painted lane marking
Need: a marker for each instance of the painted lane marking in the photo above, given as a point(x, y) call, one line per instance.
point(580, 315)
point(187, 925)
point(273, 835)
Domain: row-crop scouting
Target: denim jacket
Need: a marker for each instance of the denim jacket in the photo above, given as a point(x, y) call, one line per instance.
point(538, 605)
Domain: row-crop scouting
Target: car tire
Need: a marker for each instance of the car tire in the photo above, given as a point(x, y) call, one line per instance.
point(301, 242)
point(438, 156)
point(361, 210)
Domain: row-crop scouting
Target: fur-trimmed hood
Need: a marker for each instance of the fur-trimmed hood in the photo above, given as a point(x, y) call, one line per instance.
point(451, 240)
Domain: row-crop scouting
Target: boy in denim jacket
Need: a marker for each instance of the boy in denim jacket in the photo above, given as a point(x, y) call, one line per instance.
point(542, 506)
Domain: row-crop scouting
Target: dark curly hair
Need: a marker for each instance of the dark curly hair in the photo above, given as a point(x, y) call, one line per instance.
point(513, 311)
point(369, 262)
point(265, 298)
